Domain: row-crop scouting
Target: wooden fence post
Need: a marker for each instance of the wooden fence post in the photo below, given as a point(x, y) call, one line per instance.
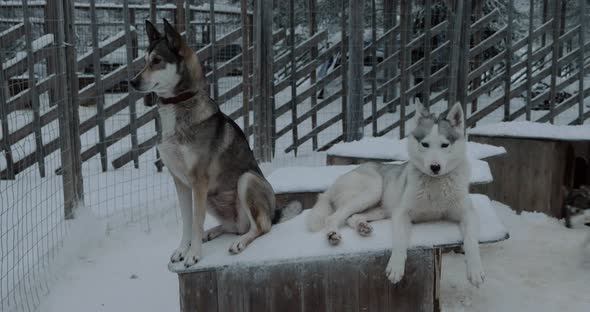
point(581, 54)
point(477, 37)
point(213, 42)
point(354, 113)
point(69, 119)
point(149, 99)
point(554, 58)
point(293, 71)
point(51, 28)
point(313, 28)
point(188, 17)
point(98, 88)
point(464, 58)
point(246, 65)
point(427, 50)
point(529, 64)
point(508, 81)
point(34, 94)
point(456, 12)
point(389, 21)
point(179, 16)
point(405, 16)
point(374, 126)
point(132, 96)
point(153, 12)
point(264, 98)
point(6, 142)
point(344, 66)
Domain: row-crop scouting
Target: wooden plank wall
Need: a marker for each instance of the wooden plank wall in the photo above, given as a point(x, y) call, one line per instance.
point(531, 175)
point(351, 283)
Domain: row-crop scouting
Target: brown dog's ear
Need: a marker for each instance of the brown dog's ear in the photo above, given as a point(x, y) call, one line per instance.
point(152, 32)
point(172, 36)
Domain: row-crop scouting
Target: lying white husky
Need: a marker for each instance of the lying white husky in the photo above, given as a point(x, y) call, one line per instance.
point(433, 185)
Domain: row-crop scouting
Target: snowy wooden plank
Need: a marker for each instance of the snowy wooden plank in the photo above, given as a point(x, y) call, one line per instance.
point(291, 240)
point(533, 130)
point(318, 179)
point(381, 148)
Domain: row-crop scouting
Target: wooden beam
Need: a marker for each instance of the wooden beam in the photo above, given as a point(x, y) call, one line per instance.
point(12, 33)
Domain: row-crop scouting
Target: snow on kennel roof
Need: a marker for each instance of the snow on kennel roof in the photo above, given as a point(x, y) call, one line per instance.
point(318, 179)
point(388, 148)
point(537, 130)
point(291, 241)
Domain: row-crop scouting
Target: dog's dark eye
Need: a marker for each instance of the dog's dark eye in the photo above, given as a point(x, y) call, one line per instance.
point(425, 144)
point(444, 145)
point(156, 61)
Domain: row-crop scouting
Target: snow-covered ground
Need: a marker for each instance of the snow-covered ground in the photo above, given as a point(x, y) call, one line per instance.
point(538, 269)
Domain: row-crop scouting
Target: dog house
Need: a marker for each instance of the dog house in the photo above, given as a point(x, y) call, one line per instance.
point(291, 269)
point(541, 160)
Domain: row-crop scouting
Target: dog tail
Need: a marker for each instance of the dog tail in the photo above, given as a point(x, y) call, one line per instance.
point(288, 212)
point(319, 212)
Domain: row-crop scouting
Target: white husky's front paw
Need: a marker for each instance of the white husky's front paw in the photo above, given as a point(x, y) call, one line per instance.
point(180, 252)
point(193, 255)
point(395, 267)
point(475, 274)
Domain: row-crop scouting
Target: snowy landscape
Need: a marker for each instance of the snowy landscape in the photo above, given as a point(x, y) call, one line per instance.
point(114, 254)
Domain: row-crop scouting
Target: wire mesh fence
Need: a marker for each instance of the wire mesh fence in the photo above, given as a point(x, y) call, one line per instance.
point(297, 76)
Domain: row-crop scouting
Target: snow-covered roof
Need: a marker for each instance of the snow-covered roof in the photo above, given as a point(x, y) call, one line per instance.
point(394, 149)
point(537, 130)
point(291, 241)
point(318, 179)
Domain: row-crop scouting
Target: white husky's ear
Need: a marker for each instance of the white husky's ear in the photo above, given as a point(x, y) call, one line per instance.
point(172, 36)
point(455, 117)
point(421, 111)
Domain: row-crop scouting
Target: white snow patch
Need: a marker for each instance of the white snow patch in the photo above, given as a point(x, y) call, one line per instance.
point(536, 270)
point(528, 129)
point(318, 179)
point(305, 244)
point(394, 149)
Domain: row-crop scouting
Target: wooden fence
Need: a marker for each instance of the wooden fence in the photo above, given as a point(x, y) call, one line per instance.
point(448, 55)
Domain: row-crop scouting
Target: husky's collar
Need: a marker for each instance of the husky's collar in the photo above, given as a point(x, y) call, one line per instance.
point(179, 98)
